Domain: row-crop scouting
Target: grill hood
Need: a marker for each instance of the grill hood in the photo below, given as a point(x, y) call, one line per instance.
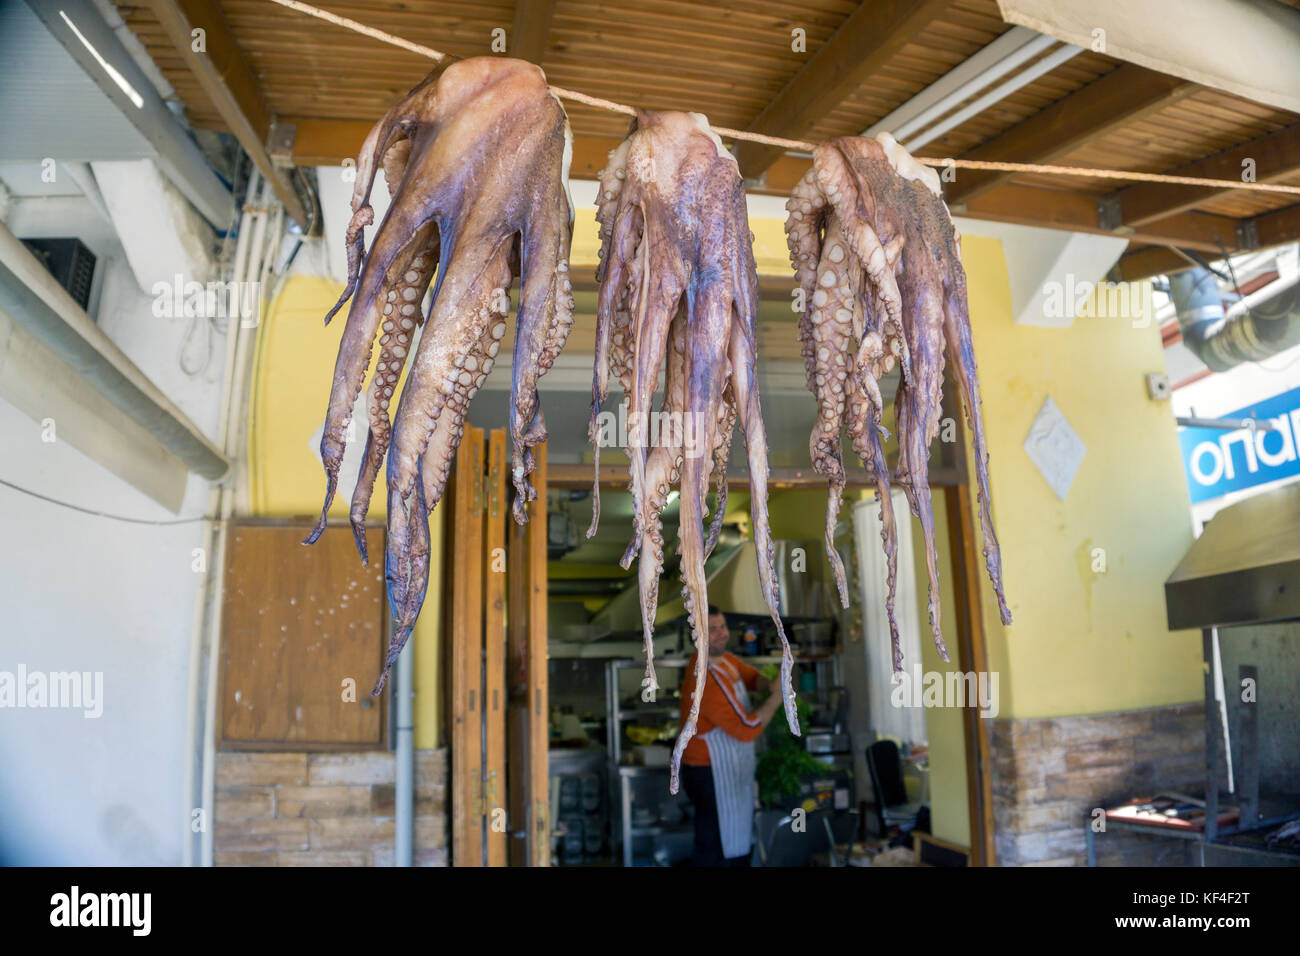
point(1244, 568)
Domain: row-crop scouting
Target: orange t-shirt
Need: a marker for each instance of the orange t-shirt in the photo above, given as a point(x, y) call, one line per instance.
point(720, 705)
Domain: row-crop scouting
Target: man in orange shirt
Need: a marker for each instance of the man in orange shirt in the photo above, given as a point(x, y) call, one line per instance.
point(718, 764)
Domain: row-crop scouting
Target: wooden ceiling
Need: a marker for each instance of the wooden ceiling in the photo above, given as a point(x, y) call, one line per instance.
point(736, 64)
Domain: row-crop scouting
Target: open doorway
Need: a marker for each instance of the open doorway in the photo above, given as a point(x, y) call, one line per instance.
point(610, 747)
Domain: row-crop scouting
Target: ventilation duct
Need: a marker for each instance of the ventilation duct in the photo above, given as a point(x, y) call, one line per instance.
point(1261, 325)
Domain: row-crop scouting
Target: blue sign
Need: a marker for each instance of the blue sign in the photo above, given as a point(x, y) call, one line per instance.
point(1218, 461)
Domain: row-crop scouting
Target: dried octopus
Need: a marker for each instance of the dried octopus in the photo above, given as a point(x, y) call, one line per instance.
point(679, 287)
point(477, 161)
point(878, 260)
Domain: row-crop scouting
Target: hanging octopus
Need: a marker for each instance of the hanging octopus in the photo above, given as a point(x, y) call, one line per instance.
point(679, 289)
point(477, 161)
point(878, 260)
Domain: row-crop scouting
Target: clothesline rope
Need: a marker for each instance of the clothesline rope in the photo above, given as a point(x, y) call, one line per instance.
point(801, 146)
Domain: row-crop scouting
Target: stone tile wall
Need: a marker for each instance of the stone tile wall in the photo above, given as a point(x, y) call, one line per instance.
point(1049, 774)
point(324, 809)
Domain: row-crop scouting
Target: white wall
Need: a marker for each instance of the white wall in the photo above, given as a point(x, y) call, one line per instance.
point(85, 593)
point(89, 594)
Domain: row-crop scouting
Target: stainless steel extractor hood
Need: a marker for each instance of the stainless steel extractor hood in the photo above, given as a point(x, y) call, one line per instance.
point(805, 587)
point(1243, 569)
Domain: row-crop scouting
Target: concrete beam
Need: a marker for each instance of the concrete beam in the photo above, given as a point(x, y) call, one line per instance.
point(78, 26)
point(32, 298)
point(1244, 47)
point(162, 238)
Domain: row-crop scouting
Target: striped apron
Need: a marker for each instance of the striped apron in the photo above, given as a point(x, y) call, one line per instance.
point(732, 761)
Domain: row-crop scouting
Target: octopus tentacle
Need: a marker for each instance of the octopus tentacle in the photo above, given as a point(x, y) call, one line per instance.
point(874, 237)
point(961, 353)
point(544, 321)
point(437, 393)
point(662, 470)
point(403, 221)
point(622, 242)
point(745, 382)
point(708, 341)
point(721, 455)
point(402, 314)
point(828, 330)
point(387, 145)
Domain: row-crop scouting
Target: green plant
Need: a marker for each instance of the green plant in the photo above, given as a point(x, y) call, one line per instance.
point(784, 761)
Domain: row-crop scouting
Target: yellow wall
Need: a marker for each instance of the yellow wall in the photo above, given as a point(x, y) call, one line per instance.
point(1081, 642)
point(293, 369)
point(949, 807)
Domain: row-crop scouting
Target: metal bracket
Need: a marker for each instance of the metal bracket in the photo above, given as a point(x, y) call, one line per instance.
point(280, 140)
point(1248, 235)
point(479, 496)
point(1110, 214)
point(494, 496)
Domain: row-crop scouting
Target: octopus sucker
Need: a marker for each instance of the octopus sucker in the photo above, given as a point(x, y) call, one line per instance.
point(392, 358)
point(721, 455)
point(877, 259)
point(477, 159)
point(678, 287)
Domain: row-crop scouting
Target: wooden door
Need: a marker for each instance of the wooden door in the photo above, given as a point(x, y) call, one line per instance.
point(529, 735)
point(497, 579)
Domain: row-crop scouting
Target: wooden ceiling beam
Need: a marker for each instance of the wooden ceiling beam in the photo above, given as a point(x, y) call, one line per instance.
point(871, 36)
point(1273, 157)
point(531, 30)
point(1077, 212)
point(1275, 228)
point(229, 82)
point(326, 142)
point(1148, 261)
point(1123, 96)
point(1271, 229)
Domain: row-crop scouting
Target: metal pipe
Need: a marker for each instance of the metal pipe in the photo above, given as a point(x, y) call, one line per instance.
point(404, 698)
point(1226, 424)
point(1037, 45)
point(247, 252)
point(963, 76)
point(1259, 326)
point(995, 95)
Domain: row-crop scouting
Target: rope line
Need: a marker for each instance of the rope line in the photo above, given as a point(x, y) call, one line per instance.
point(802, 146)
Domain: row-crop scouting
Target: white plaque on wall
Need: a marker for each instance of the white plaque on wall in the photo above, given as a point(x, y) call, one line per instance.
point(1055, 448)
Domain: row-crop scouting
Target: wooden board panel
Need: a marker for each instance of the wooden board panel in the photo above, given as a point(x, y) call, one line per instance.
point(494, 638)
point(296, 623)
point(517, 691)
point(528, 721)
point(466, 548)
point(539, 842)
